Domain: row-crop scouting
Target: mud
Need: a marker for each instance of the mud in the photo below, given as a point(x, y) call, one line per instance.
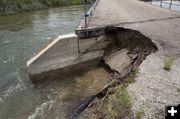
point(132, 45)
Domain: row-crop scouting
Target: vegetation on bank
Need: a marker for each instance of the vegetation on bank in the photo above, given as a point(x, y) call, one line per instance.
point(14, 6)
point(118, 104)
point(139, 114)
point(168, 62)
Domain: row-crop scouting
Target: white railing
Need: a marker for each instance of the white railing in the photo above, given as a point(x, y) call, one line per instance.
point(168, 2)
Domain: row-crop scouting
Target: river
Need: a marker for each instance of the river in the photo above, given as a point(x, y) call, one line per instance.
point(166, 3)
point(21, 35)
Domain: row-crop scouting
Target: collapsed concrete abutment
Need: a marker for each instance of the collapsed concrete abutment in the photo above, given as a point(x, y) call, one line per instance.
point(123, 55)
point(122, 50)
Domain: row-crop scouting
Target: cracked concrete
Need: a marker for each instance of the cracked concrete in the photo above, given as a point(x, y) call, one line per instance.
point(154, 87)
point(116, 12)
point(61, 55)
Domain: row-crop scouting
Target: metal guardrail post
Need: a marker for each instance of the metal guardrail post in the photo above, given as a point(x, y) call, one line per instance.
point(91, 3)
point(161, 3)
point(170, 4)
point(85, 13)
point(85, 21)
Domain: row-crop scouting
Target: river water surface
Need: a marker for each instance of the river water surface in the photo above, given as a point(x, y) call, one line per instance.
point(166, 3)
point(20, 36)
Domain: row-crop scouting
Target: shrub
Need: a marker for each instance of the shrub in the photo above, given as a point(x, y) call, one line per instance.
point(14, 6)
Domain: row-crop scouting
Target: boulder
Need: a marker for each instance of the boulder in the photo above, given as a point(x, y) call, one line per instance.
point(120, 62)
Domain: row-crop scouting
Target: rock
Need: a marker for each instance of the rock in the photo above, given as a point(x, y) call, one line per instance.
point(120, 62)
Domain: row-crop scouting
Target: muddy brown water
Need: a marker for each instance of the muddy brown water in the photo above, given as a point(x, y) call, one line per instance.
point(21, 36)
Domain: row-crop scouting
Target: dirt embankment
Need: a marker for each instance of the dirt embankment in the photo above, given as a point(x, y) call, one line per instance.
point(126, 51)
point(145, 78)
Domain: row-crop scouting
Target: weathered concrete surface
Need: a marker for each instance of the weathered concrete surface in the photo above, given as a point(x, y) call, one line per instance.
point(127, 51)
point(94, 43)
point(154, 87)
point(127, 11)
point(120, 62)
point(63, 54)
point(56, 54)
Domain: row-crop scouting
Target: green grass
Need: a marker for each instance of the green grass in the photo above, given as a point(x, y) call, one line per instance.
point(122, 97)
point(14, 6)
point(178, 89)
point(117, 104)
point(139, 114)
point(168, 62)
point(131, 77)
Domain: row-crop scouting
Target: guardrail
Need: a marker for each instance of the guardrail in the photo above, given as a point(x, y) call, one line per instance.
point(87, 14)
point(93, 4)
point(170, 2)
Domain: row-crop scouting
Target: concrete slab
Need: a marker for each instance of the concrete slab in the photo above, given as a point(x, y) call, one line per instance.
point(62, 56)
point(54, 54)
point(127, 11)
point(120, 62)
point(133, 13)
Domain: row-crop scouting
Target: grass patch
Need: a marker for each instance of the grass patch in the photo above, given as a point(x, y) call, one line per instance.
point(130, 78)
point(122, 97)
point(139, 114)
point(135, 72)
point(168, 62)
point(178, 89)
point(117, 105)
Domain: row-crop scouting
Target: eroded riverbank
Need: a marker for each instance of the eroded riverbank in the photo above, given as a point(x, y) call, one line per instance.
point(16, 6)
point(128, 49)
point(121, 52)
point(21, 35)
point(64, 98)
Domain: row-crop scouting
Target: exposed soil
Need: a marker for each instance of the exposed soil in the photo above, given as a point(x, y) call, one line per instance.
point(122, 58)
